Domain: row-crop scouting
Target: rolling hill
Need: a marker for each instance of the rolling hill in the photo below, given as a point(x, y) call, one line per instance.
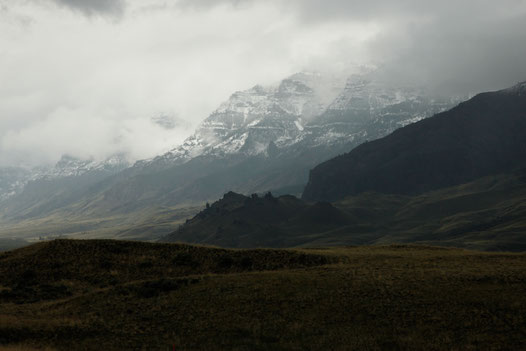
point(116, 295)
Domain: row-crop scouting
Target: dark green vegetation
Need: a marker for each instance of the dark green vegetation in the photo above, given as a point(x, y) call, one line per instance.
point(483, 136)
point(106, 295)
point(240, 221)
point(486, 214)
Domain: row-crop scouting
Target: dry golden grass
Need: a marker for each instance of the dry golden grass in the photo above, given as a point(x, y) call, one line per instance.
point(363, 298)
point(24, 348)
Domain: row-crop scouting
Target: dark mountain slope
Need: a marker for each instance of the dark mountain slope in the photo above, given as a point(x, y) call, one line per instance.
point(240, 221)
point(485, 135)
point(486, 214)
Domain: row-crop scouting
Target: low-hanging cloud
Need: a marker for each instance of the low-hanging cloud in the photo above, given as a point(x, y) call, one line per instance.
point(330, 10)
point(82, 134)
point(452, 46)
point(94, 7)
point(74, 82)
point(457, 55)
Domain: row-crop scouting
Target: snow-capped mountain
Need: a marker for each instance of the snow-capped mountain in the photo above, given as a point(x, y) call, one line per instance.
point(14, 179)
point(369, 108)
point(249, 120)
point(266, 138)
point(69, 166)
point(305, 110)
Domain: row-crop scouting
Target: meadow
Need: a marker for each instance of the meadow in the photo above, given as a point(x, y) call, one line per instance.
point(118, 295)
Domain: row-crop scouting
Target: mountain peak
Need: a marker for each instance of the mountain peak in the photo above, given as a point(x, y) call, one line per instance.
point(304, 110)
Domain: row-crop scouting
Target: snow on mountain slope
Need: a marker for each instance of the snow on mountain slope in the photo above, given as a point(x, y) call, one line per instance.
point(305, 110)
point(14, 179)
point(302, 113)
point(249, 120)
point(369, 108)
point(69, 166)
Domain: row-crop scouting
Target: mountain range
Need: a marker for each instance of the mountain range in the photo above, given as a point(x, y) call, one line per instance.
point(261, 139)
point(457, 178)
point(58, 293)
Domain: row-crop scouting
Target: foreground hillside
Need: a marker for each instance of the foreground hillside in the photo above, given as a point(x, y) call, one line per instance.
point(107, 295)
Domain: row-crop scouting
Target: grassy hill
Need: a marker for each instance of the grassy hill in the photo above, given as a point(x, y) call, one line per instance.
point(114, 295)
point(486, 214)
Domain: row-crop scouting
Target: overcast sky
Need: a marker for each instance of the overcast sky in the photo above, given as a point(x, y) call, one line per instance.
point(86, 77)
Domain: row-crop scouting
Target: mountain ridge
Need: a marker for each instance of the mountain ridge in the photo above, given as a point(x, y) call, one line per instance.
point(262, 139)
point(485, 214)
point(481, 136)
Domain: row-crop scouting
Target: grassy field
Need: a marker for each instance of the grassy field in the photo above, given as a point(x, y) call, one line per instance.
point(109, 295)
point(147, 225)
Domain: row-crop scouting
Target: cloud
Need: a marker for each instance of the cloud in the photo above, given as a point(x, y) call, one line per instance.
point(74, 82)
point(69, 80)
point(452, 46)
point(82, 134)
point(94, 7)
point(471, 49)
point(359, 10)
